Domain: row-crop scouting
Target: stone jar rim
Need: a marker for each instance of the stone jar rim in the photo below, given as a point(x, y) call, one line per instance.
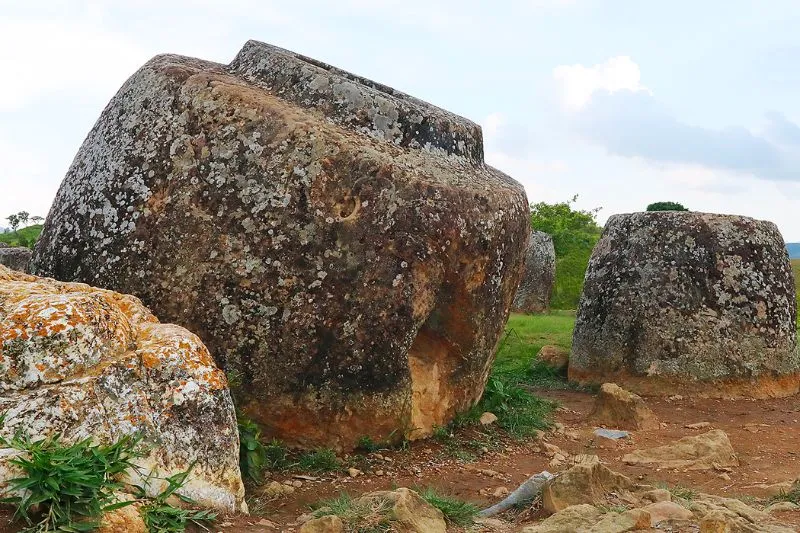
point(358, 103)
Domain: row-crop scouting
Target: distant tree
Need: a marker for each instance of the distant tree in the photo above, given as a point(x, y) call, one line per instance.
point(574, 232)
point(37, 219)
point(23, 217)
point(13, 221)
point(666, 206)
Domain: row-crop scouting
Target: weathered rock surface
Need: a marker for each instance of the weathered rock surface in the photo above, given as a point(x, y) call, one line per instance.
point(16, 258)
point(617, 408)
point(701, 452)
point(85, 362)
point(665, 510)
point(685, 302)
point(324, 524)
point(342, 248)
point(554, 357)
point(407, 511)
point(588, 481)
point(536, 287)
point(719, 514)
point(574, 518)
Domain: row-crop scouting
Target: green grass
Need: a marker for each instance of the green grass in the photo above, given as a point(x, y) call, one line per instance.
point(318, 461)
point(23, 237)
point(455, 511)
point(369, 516)
point(524, 337)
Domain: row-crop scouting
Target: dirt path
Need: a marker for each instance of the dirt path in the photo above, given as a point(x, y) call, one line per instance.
point(765, 434)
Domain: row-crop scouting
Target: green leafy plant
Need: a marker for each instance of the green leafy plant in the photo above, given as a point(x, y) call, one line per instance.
point(455, 511)
point(161, 517)
point(252, 453)
point(67, 487)
point(518, 411)
point(366, 444)
point(792, 495)
point(317, 461)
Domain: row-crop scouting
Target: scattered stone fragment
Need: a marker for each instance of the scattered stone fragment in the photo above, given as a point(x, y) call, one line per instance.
point(631, 520)
point(586, 482)
point(719, 512)
point(343, 248)
point(666, 510)
point(618, 408)
point(353, 472)
point(554, 357)
point(325, 524)
point(275, 489)
point(539, 275)
point(657, 495)
point(613, 434)
point(688, 303)
point(698, 425)
point(781, 507)
point(488, 418)
point(701, 452)
point(409, 510)
point(573, 518)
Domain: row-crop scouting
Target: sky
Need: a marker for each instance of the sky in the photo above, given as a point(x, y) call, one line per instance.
point(621, 102)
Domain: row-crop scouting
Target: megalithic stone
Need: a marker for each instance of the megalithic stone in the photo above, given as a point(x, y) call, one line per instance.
point(342, 248)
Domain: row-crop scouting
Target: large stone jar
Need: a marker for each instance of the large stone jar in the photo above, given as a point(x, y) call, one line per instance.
point(341, 247)
point(539, 276)
point(688, 303)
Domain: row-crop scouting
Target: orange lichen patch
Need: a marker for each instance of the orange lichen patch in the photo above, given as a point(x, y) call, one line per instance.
point(163, 347)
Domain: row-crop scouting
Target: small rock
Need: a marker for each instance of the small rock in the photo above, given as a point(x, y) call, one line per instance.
point(276, 489)
point(781, 507)
point(379, 472)
point(297, 483)
point(488, 418)
point(353, 472)
point(698, 425)
point(325, 524)
point(614, 406)
point(711, 450)
point(500, 492)
point(586, 482)
point(554, 357)
point(664, 510)
point(657, 495)
point(724, 476)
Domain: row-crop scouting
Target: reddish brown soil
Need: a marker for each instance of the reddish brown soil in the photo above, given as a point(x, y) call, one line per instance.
point(764, 433)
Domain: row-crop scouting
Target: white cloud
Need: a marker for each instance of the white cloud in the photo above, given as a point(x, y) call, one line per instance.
point(579, 83)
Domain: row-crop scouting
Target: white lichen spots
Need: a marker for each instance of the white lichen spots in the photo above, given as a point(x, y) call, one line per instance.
point(231, 314)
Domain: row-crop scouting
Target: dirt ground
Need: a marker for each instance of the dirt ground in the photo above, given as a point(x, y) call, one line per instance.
point(764, 433)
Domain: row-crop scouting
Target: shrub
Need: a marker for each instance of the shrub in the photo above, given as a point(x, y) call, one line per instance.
point(322, 460)
point(67, 487)
point(666, 206)
point(161, 517)
point(574, 232)
point(252, 453)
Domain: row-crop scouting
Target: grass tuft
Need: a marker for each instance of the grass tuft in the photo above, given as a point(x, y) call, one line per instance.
point(456, 512)
point(318, 461)
point(67, 487)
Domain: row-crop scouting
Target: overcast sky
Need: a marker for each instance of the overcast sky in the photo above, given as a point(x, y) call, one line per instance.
point(623, 102)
